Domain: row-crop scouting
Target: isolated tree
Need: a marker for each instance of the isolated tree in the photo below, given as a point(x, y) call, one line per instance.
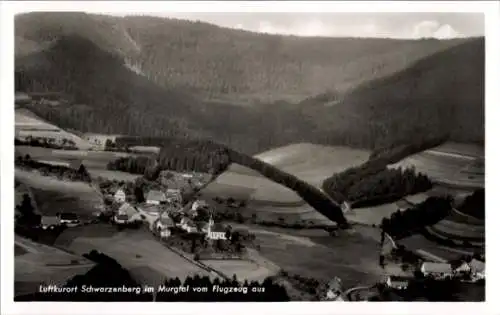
point(139, 194)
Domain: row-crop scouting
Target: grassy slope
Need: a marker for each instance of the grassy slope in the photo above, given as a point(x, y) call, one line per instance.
point(29, 124)
point(220, 62)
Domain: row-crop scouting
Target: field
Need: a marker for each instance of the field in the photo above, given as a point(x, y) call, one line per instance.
point(419, 242)
point(136, 250)
point(28, 124)
point(452, 164)
point(243, 269)
point(350, 256)
point(94, 161)
point(36, 264)
point(53, 195)
point(311, 163)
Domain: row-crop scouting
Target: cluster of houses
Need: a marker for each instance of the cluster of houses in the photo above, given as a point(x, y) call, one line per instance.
point(475, 269)
point(158, 210)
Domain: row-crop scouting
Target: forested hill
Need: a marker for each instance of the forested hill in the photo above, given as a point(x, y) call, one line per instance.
point(222, 63)
point(440, 95)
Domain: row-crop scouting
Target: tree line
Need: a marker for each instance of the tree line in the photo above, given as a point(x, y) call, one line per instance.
point(474, 204)
point(403, 224)
point(62, 172)
point(373, 180)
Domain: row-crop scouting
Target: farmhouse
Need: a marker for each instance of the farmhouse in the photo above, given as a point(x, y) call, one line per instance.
point(436, 270)
point(50, 222)
point(127, 214)
point(199, 204)
point(120, 195)
point(334, 291)
point(156, 197)
point(174, 196)
point(188, 225)
point(463, 268)
point(397, 282)
point(164, 222)
point(477, 269)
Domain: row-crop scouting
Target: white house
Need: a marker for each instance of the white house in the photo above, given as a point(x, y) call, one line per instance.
point(436, 270)
point(164, 222)
point(187, 225)
point(477, 269)
point(120, 195)
point(215, 231)
point(397, 282)
point(155, 197)
point(463, 268)
point(199, 204)
point(165, 233)
point(334, 291)
point(127, 214)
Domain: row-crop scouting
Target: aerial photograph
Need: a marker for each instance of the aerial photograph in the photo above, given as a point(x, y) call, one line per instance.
point(249, 157)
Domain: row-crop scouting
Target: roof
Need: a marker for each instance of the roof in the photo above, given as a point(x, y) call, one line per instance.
point(123, 217)
point(75, 164)
point(127, 209)
point(156, 195)
point(399, 279)
point(68, 216)
point(217, 227)
point(166, 221)
point(436, 267)
point(50, 220)
point(477, 265)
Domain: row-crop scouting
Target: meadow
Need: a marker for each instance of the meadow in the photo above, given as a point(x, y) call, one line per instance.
point(136, 250)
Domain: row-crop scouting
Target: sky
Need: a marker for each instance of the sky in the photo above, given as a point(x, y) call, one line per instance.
point(392, 25)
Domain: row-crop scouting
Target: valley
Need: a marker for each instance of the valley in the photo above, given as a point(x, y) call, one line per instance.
point(193, 153)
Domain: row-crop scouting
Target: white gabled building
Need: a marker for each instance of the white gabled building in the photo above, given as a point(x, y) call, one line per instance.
point(477, 269)
point(436, 270)
point(214, 231)
point(156, 197)
point(120, 195)
point(396, 282)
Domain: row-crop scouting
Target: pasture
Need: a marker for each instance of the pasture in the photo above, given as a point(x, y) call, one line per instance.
point(29, 124)
point(35, 264)
point(53, 195)
point(352, 257)
point(135, 250)
point(243, 269)
point(311, 163)
point(419, 242)
point(452, 164)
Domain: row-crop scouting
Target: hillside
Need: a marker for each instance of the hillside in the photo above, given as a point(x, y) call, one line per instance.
point(87, 58)
point(222, 63)
point(28, 124)
point(442, 94)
